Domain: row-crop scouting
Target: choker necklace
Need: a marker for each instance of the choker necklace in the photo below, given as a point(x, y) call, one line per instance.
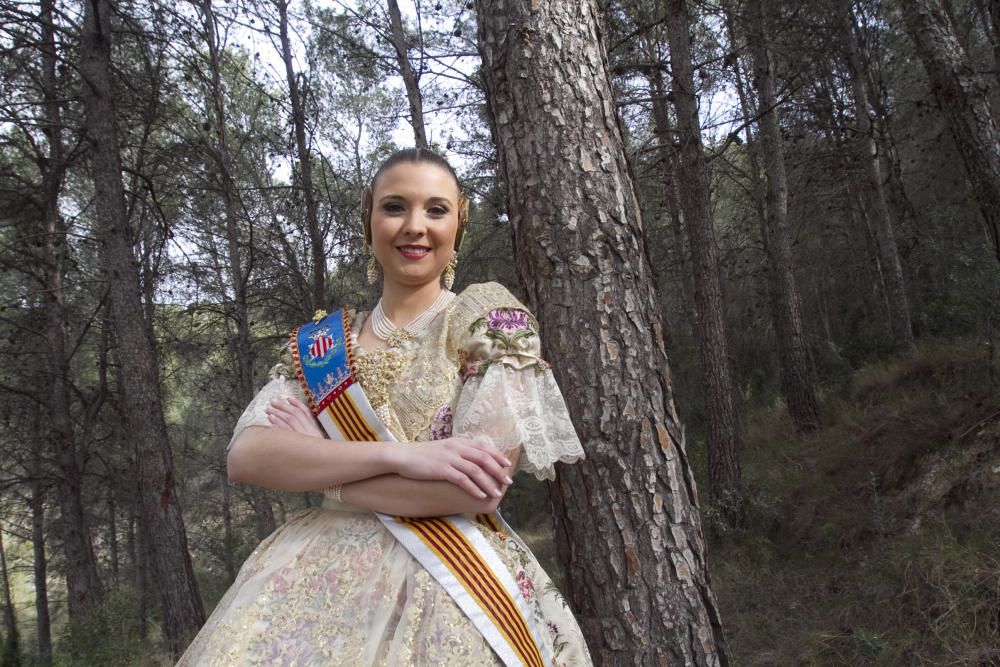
point(385, 329)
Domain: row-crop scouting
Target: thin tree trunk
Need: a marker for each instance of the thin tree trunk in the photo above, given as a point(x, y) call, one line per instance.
point(138, 374)
point(627, 526)
point(911, 221)
point(83, 584)
point(664, 139)
point(11, 652)
point(866, 276)
point(793, 354)
point(113, 533)
point(40, 568)
point(295, 98)
point(411, 79)
point(240, 344)
point(723, 442)
point(964, 97)
point(867, 154)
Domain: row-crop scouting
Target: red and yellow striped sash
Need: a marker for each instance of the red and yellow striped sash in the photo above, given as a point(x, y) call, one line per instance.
point(479, 581)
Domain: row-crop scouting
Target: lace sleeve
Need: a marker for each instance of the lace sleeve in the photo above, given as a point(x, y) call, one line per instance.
point(282, 385)
point(510, 395)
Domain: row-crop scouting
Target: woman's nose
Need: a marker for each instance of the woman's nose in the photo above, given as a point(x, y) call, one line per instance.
point(414, 224)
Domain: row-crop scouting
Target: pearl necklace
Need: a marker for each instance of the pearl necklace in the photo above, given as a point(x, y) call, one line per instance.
point(384, 328)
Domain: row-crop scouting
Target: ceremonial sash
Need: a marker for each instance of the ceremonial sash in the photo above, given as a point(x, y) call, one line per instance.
point(452, 549)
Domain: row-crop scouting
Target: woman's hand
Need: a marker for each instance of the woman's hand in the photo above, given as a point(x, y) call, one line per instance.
point(294, 415)
point(473, 465)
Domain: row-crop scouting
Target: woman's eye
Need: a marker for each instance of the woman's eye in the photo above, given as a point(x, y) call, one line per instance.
point(438, 210)
point(392, 208)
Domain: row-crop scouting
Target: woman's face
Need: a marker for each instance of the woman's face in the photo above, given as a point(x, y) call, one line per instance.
point(414, 222)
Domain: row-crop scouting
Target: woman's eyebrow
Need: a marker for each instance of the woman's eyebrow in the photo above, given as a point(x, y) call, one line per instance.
point(443, 200)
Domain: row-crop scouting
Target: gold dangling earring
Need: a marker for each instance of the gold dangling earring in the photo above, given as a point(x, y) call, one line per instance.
point(449, 272)
point(372, 269)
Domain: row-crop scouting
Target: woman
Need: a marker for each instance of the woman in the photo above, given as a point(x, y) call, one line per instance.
point(459, 399)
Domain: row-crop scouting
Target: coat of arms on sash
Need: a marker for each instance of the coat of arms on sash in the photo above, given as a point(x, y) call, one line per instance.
point(323, 347)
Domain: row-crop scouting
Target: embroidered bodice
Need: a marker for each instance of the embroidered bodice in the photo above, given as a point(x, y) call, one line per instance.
point(476, 371)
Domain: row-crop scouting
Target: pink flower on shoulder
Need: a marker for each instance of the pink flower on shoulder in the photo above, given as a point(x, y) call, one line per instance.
point(507, 319)
point(441, 423)
point(524, 583)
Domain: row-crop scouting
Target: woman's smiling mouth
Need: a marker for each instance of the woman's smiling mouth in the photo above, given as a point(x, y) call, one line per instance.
point(413, 251)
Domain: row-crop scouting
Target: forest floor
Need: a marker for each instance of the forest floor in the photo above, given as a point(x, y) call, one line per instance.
point(873, 541)
point(876, 540)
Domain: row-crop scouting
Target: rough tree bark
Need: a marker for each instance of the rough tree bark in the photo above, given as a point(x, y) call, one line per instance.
point(84, 589)
point(964, 97)
point(723, 441)
point(793, 354)
point(138, 375)
point(295, 98)
point(627, 525)
point(411, 79)
point(900, 325)
point(239, 341)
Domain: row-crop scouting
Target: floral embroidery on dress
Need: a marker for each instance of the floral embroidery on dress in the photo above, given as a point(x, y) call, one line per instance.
point(441, 423)
point(508, 330)
point(505, 327)
point(507, 319)
point(524, 583)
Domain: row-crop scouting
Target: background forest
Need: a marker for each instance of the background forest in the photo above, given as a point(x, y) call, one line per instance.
point(819, 197)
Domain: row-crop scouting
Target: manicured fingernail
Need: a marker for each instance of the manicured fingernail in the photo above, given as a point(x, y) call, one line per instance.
point(482, 494)
point(507, 463)
point(508, 480)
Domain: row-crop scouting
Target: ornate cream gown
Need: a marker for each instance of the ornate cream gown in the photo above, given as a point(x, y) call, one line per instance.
point(332, 586)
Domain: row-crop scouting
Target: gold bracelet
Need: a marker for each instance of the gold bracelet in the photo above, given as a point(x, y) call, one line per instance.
point(333, 492)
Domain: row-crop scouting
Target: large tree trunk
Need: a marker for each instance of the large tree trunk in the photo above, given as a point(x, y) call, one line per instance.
point(867, 154)
point(627, 524)
point(964, 97)
point(411, 79)
point(138, 375)
point(84, 589)
point(723, 442)
point(239, 341)
point(793, 354)
point(295, 98)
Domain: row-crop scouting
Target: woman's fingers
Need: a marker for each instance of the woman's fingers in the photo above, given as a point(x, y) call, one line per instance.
point(296, 415)
point(280, 420)
point(483, 482)
point(489, 465)
point(484, 444)
point(462, 481)
point(475, 467)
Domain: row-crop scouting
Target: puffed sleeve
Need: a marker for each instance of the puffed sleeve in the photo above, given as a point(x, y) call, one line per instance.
point(281, 385)
point(509, 393)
